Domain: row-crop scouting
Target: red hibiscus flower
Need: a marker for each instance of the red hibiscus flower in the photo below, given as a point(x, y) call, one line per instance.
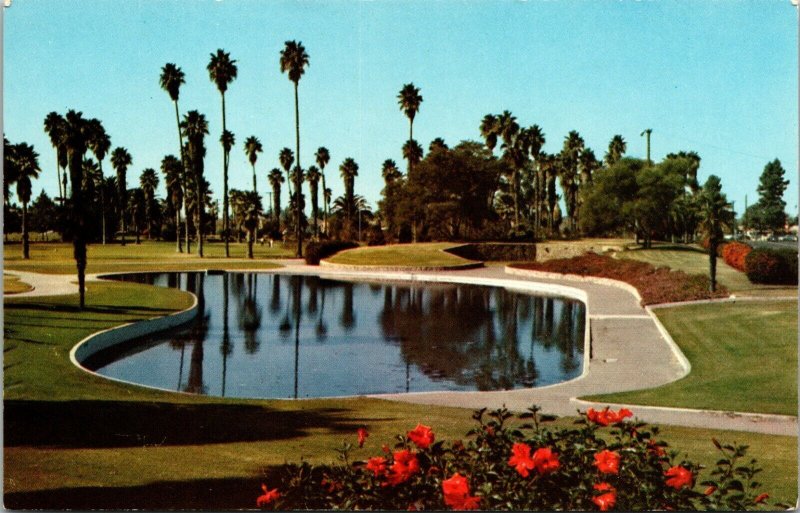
point(362, 436)
point(521, 459)
point(377, 465)
point(267, 497)
point(456, 493)
point(405, 465)
point(605, 501)
point(607, 462)
point(422, 436)
point(679, 477)
point(545, 460)
point(761, 498)
point(603, 487)
point(607, 417)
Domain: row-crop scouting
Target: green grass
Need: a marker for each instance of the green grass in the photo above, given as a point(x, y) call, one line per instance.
point(13, 285)
point(743, 356)
point(429, 254)
point(694, 261)
point(56, 258)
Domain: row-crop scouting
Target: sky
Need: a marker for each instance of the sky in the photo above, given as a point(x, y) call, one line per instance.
point(716, 77)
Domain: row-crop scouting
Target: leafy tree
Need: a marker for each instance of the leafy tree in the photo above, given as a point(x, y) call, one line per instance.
point(771, 186)
point(293, 62)
point(657, 188)
point(715, 215)
point(121, 160)
point(43, 213)
point(195, 128)
point(607, 202)
point(172, 77)
point(410, 100)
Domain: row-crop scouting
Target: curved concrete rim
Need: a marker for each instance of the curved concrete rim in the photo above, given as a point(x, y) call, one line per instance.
point(401, 268)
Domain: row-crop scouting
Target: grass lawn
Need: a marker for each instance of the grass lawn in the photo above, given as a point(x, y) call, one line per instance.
point(56, 258)
point(73, 438)
point(694, 261)
point(743, 356)
point(428, 254)
point(13, 285)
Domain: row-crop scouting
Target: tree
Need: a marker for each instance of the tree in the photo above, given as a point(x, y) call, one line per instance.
point(252, 147)
point(293, 62)
point(10, 171)
point(286, 159)
point(349, 171)
point(771, 186)
point(121, 160)
point(413, 153)
point(616, 150)
point(172, 168)
point(410, 100)
point(570, 179)
point(657, 188)
point(27, 167)
point(195, 127)
point(148, 181)
point(715, 214)
point(437, 144)
point(43, 213)
point(222, 71)
point(54, 127)
point(137, 208)
point(607, 202)
point(172, 77)
point(99, 143)
point(313, 176)
point(252, 209)
point(275, 180)
point(323, 157)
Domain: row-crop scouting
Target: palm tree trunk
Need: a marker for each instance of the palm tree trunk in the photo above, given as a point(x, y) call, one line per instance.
point(255, 191)
point(515, 185)
point(58, 172)
point(225, 229)
point(712, 265)
point(199, 207)
point(183, 186)
point(297, 182)
point(122, 218)
point(324, 205)
point(25, 249)
point(178, 229)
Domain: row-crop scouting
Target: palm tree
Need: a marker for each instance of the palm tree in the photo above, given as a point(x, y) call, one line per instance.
point(313, 176)
point(10, 172)
point(148, 181)
point(294, 60)
point(252, 146)
point(323, 157)
point(327, 194)
point(227, 139)
point(275, 180)
point(120, 160)
point(138, 210)
point(715, 214)
point(252, 210)
point(570, 159)
point(536, 141)
point(409, 100)
point(195, 127)
point(616, 149)
point(349, 172)
point(390, 171)
point(172, 77)
point(222, 71)
point(413, 153)
point(99, 143)
point(172, 168)
point(27, 167)
point(438, 144)
point(286, 159)
point(54, 127)
point(489, 130)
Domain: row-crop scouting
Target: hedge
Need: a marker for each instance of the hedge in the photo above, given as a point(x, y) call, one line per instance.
point(772, 266)
point(735, 253)
point(316, 251)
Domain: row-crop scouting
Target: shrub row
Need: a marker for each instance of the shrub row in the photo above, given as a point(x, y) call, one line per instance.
point(655, 284)
point(734, 254)
point(601, 463)
point(772, 266)
point(316, 251)
point(496, 251)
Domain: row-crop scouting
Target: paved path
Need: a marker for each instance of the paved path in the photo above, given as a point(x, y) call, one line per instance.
point(45, 284)
point(629, 352)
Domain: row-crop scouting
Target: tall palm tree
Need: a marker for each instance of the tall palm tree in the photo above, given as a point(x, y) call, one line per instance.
point(99, 143)
point(121, 160)
point(413, 153)
point(313, 176)
point(252, 147)
point(616, 149)
point(536, 140)
point(222, 71)
point(286, 159)
point(227, 139)
point(148, 181)
point(715, 214)
point(195, 127)
point(570, 180)
point(294, 60)
point(489, 130)
point(410, 100)
point(349, 172)
point(323, 156)
point(138, 210)
point(77, 131)
point(390, 171)
point(438, 144)
point(275, 180)
point(27, 167)
point(172, 78)
point(10, 172)
point(172, 168)
point(327, 194)
point(54, 127)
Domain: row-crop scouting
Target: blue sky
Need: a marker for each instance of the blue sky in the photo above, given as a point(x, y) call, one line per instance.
point(716, 77)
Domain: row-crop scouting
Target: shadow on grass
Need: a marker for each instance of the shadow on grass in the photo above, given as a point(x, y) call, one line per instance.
point(672, 247)
point(204, 494)
point(105, 424)
point(75, 309)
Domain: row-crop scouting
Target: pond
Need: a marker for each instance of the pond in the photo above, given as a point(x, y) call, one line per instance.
point(289, 336)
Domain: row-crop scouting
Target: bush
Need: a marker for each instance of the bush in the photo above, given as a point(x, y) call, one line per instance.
point(772, 266)
point(316, 251)
point(734, 254)
point(508, 463)
point(655, 284)
point(720, 245)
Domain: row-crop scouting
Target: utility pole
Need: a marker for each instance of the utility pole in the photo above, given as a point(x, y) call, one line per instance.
point(647, 133)
point(744, 216)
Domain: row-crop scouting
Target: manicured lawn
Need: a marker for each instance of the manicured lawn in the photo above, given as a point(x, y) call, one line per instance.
point(428, 254)
point(56, 258)
point(743, 356)
point(693, 261)
point(13, 285)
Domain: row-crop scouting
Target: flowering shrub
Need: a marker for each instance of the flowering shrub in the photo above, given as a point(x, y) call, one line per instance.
point(777, 267)
point(601, 463)
point(706, 244)
point(655, 284)
point(734, 254)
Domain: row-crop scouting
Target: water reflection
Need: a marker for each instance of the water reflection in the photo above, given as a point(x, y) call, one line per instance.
point(314, 337)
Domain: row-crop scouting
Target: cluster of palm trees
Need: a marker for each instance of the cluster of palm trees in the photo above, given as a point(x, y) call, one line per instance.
point(20, 166)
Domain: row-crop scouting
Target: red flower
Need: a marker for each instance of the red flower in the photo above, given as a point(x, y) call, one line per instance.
point(607, 462)
point(521, 459)
point(605, 501)
point(655, 449)
point(761, 498)
point(385, 448)
point(603, 487)
point(362, 436)
point(456, 493)
point(606, 417)
point(678, 477)
point(267, 497)
point(405, 465)
point(545, 460)
point(422, 436)
point(377, 465)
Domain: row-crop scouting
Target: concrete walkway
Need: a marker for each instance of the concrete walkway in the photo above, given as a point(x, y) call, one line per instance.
point(629, 349)
point(45, 284)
